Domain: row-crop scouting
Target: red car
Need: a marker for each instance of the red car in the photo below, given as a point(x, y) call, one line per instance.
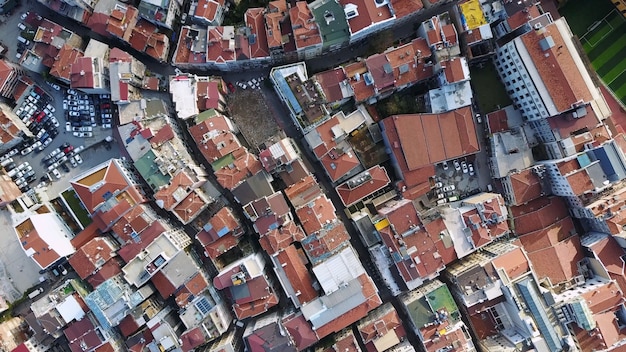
point(68, 149)
point(231, 87)
point(40, 116)
point(105, 105)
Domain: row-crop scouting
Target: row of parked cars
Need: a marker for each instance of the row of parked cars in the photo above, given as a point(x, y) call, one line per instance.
point(60, 156)
point(21, 174)
point(460, 166)
point(85, 111)
point(37, 113)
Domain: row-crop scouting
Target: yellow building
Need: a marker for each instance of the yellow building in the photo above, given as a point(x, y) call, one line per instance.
point(621, 6)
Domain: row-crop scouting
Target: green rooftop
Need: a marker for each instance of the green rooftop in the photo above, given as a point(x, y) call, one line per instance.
point(422, 309)
point(331, 19)
point(149, 170)
point(205, 115)
point(222, 162)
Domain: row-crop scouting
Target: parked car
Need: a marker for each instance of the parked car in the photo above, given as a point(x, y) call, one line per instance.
point(471, 169)
point(464, 167)
point(54, 86)
point(457, 166)
point(27, 150)
point(83, 134)
point(449, 188)
point(78, 159)
point(56, 173)
point(21, 26)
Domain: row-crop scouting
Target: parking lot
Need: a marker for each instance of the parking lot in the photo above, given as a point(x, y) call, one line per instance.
point(453, 181)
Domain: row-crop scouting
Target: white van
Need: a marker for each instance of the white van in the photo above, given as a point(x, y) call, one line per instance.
point(35, 293)
point(6, 162)
point(23, 40)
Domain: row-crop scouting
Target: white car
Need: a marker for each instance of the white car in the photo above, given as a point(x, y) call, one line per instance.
point(464, 167)
point(51, 108)
point(86, 129)
point(27, 150)
point(21, 26)
point(83, 134)
point(56, 174)
point(457, 166)
point(24, 15)
point(23, 166)
point(106, 125)
point(54, 86)
point(73, 162)
point(449, 188)
point(471, 169)
point(55, 122)
point(68, 126)
point(74, 113)
point(78, 159)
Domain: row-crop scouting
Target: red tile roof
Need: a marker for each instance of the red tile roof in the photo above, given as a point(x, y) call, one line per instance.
point(220, 49)
point(538, 214)
point(293, 263)
point(63, 62)
point(497, 121)
point(207, 9)
point(557, 68)
point(300, 331)
point(384, 321)
point(526, 186)
point(220, 246)
point(163, 284)
point(169, 196)
point(110, 269)
point(245, 165)
point(303, 191)
point(92, 256)
point(329, 240)
point(122, 21)
point(610, 254)
point(362, 185)
point(522, 17)
point(514, 263)
point(331, 82)
point(81, 74)
point(421, 140)
point(254, 18)
point(453, 70)
point(305, 30)
point(403, 8)
point(370, 292)
point(190, 207)
point(278, 239)
point(132, 248)
point(316, 214)
point(368, 14)
point(82, 335)
point(222, 223)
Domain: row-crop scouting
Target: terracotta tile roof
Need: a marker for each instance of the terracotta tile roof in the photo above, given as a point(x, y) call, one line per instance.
point(170, 195)
point(449, 34)
point(305, 30)
point(514, 263)
point(339, 163)
point(210, 94)
point(255, 21)
point(414, 192)
point(98, 23)
point(526, 186)
point(580, 182)
point(422, 259)
point(453, 70)
point(112, 180)
point(278, 239)
point(183, 53)
point(522, 17)
point(420, 140)
point(222, 223)
point(81, 73)
point(378, 324)
point(216, 144)
point(303, 192)
point(362, 185)
point(368, 14)
point(122, 21)
point(163, 284)
point(92, 256)
point(190, 207)
point(328, 241)
point(110, 269)
point(63, 62)
point(497, 121)
point(316, 214)
point(450, 338)
point(132, 248)
point(445, 250)
point(47, 31)
point(607, 297)
point(568, 251)
point(128, 325)
point(370, 291)
point(82, 335)
point(557, 68)
point(403, 8)
point(269, 338)
point(134, 221)
point(207, 9)
point(272, 29)
point(220, 48)
point(293, 263)
point(191, 289)
point(245, 165)
point(538, 214)
point(331, 82)
point(610, 254)
point(300, 331)
point(192, 338)
point(344, 342)
point(220, 246)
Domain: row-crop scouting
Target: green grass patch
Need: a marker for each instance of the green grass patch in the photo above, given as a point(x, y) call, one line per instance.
point(614, 51)
point(489, 89)
point(621, 93)
point(615, 19)
point(581, 14)
point(608, 41)
point(76, 206)
point(598, 34)
point(618, 82)
point(613, 74)
point(611, 64)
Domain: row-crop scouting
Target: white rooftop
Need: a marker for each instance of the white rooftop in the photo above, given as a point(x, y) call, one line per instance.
point(338, 270)
point(184, 94)
point(450, 97)
point(70, 310)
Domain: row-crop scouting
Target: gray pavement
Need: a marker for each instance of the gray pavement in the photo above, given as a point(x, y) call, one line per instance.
point(18, 272)
point(10, 32)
